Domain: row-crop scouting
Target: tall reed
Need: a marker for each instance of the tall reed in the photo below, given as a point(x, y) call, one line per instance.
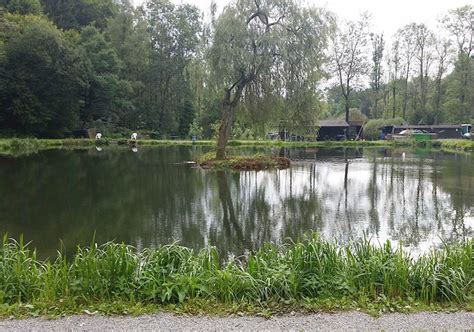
point(308, 269)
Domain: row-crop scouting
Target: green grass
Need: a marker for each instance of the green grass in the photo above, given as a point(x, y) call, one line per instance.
point(26, 146)
point(20, 146)
point(449, 145)
point(455, 145)
point(311, 274)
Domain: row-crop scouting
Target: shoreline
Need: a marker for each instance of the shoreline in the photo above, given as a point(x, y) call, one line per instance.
point(24, 146)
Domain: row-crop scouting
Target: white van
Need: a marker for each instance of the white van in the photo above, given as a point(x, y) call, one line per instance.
point(466, 131)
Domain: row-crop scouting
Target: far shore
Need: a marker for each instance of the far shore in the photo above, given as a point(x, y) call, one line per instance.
point(19, 145)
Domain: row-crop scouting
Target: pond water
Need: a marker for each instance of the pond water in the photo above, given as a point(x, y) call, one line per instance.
point(151, 197)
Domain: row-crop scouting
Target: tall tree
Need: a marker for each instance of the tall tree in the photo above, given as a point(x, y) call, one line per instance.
point(253, 40)
point(408, 43)
point(443, 52)
point(460, 24)
point(41, 79)
point(174, 32)
point(378, 46)
point(349, 57)
point(76, 14)
point(106, 96)
point(425, 40)
point(394, 76)
point(128, 33)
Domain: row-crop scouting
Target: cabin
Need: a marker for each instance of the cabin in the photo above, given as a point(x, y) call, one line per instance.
point(332, 130)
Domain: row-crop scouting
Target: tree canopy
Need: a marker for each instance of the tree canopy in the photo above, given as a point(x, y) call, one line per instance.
point(254, 67)
point(41, 78)
point(267, 51)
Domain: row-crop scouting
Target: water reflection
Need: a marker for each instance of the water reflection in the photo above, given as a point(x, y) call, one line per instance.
point(150, 197)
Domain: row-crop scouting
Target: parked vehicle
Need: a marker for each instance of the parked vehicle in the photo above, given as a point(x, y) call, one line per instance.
point(466, 131)
point(418, 134)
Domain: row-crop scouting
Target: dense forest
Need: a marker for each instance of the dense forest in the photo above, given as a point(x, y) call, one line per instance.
point(172, 71)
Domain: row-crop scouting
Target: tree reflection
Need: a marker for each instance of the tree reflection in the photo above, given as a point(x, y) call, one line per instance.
point(233, 230)
point(373, 199)
point(150, 198)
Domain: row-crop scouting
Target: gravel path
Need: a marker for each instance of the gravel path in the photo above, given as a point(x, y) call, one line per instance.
point(298, 322)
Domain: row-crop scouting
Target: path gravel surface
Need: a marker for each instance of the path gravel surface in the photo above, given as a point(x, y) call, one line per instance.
point(354, 321)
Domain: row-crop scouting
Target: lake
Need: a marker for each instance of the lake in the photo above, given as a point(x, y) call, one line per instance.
point(151, 197)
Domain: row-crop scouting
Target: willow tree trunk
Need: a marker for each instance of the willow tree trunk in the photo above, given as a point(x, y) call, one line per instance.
point(228, 113)
point(229, 104)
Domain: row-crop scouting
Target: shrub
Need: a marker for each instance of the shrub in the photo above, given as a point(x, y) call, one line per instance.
point(372, 129)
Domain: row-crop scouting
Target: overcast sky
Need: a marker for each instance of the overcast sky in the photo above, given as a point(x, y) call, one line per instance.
point(387, 16)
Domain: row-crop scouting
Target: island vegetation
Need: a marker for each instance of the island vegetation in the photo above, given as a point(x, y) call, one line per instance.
point(257, 162)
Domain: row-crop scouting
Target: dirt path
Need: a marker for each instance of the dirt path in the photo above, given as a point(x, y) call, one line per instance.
point(169, 322)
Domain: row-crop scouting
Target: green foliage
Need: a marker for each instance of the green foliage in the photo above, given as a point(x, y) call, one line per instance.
point(173, 31)
point(42, 78)
point(308, 269)
point(460, 91)
point(430, 79)
point(107, 95)
point(241, 132)
point(109, 63)
point(256, 162)
point(355, 115)
point(195, 129)
point(22, 7)
point(128, 34)
point(455, 145)
point(215, 129)
point(372, 129)
point(76, 14)
point(118, 66)
point(186, 119)
point(266, 58)
point(17, 145)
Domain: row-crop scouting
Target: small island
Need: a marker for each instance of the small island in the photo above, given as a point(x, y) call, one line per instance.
point(244, 163)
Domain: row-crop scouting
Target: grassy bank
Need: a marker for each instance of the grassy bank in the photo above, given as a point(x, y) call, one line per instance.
point(452, 145)
point(311, 274)
point(22, 146)
point(30, 145)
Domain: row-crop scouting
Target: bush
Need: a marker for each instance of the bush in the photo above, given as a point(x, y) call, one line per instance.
point(372, 129)
point(28, 144)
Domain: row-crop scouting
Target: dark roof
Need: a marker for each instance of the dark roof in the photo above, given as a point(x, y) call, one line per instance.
point(428, 127)
point(333, 123)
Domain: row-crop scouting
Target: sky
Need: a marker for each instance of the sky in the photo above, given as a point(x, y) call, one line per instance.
point(387, 16)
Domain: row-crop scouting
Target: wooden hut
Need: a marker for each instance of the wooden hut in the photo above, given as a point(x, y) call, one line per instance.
point(332, 130)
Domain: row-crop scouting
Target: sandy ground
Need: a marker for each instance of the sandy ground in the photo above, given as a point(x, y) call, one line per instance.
point(329, 322)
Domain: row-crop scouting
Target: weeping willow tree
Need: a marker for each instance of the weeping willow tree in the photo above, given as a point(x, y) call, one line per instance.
point(267, 51)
